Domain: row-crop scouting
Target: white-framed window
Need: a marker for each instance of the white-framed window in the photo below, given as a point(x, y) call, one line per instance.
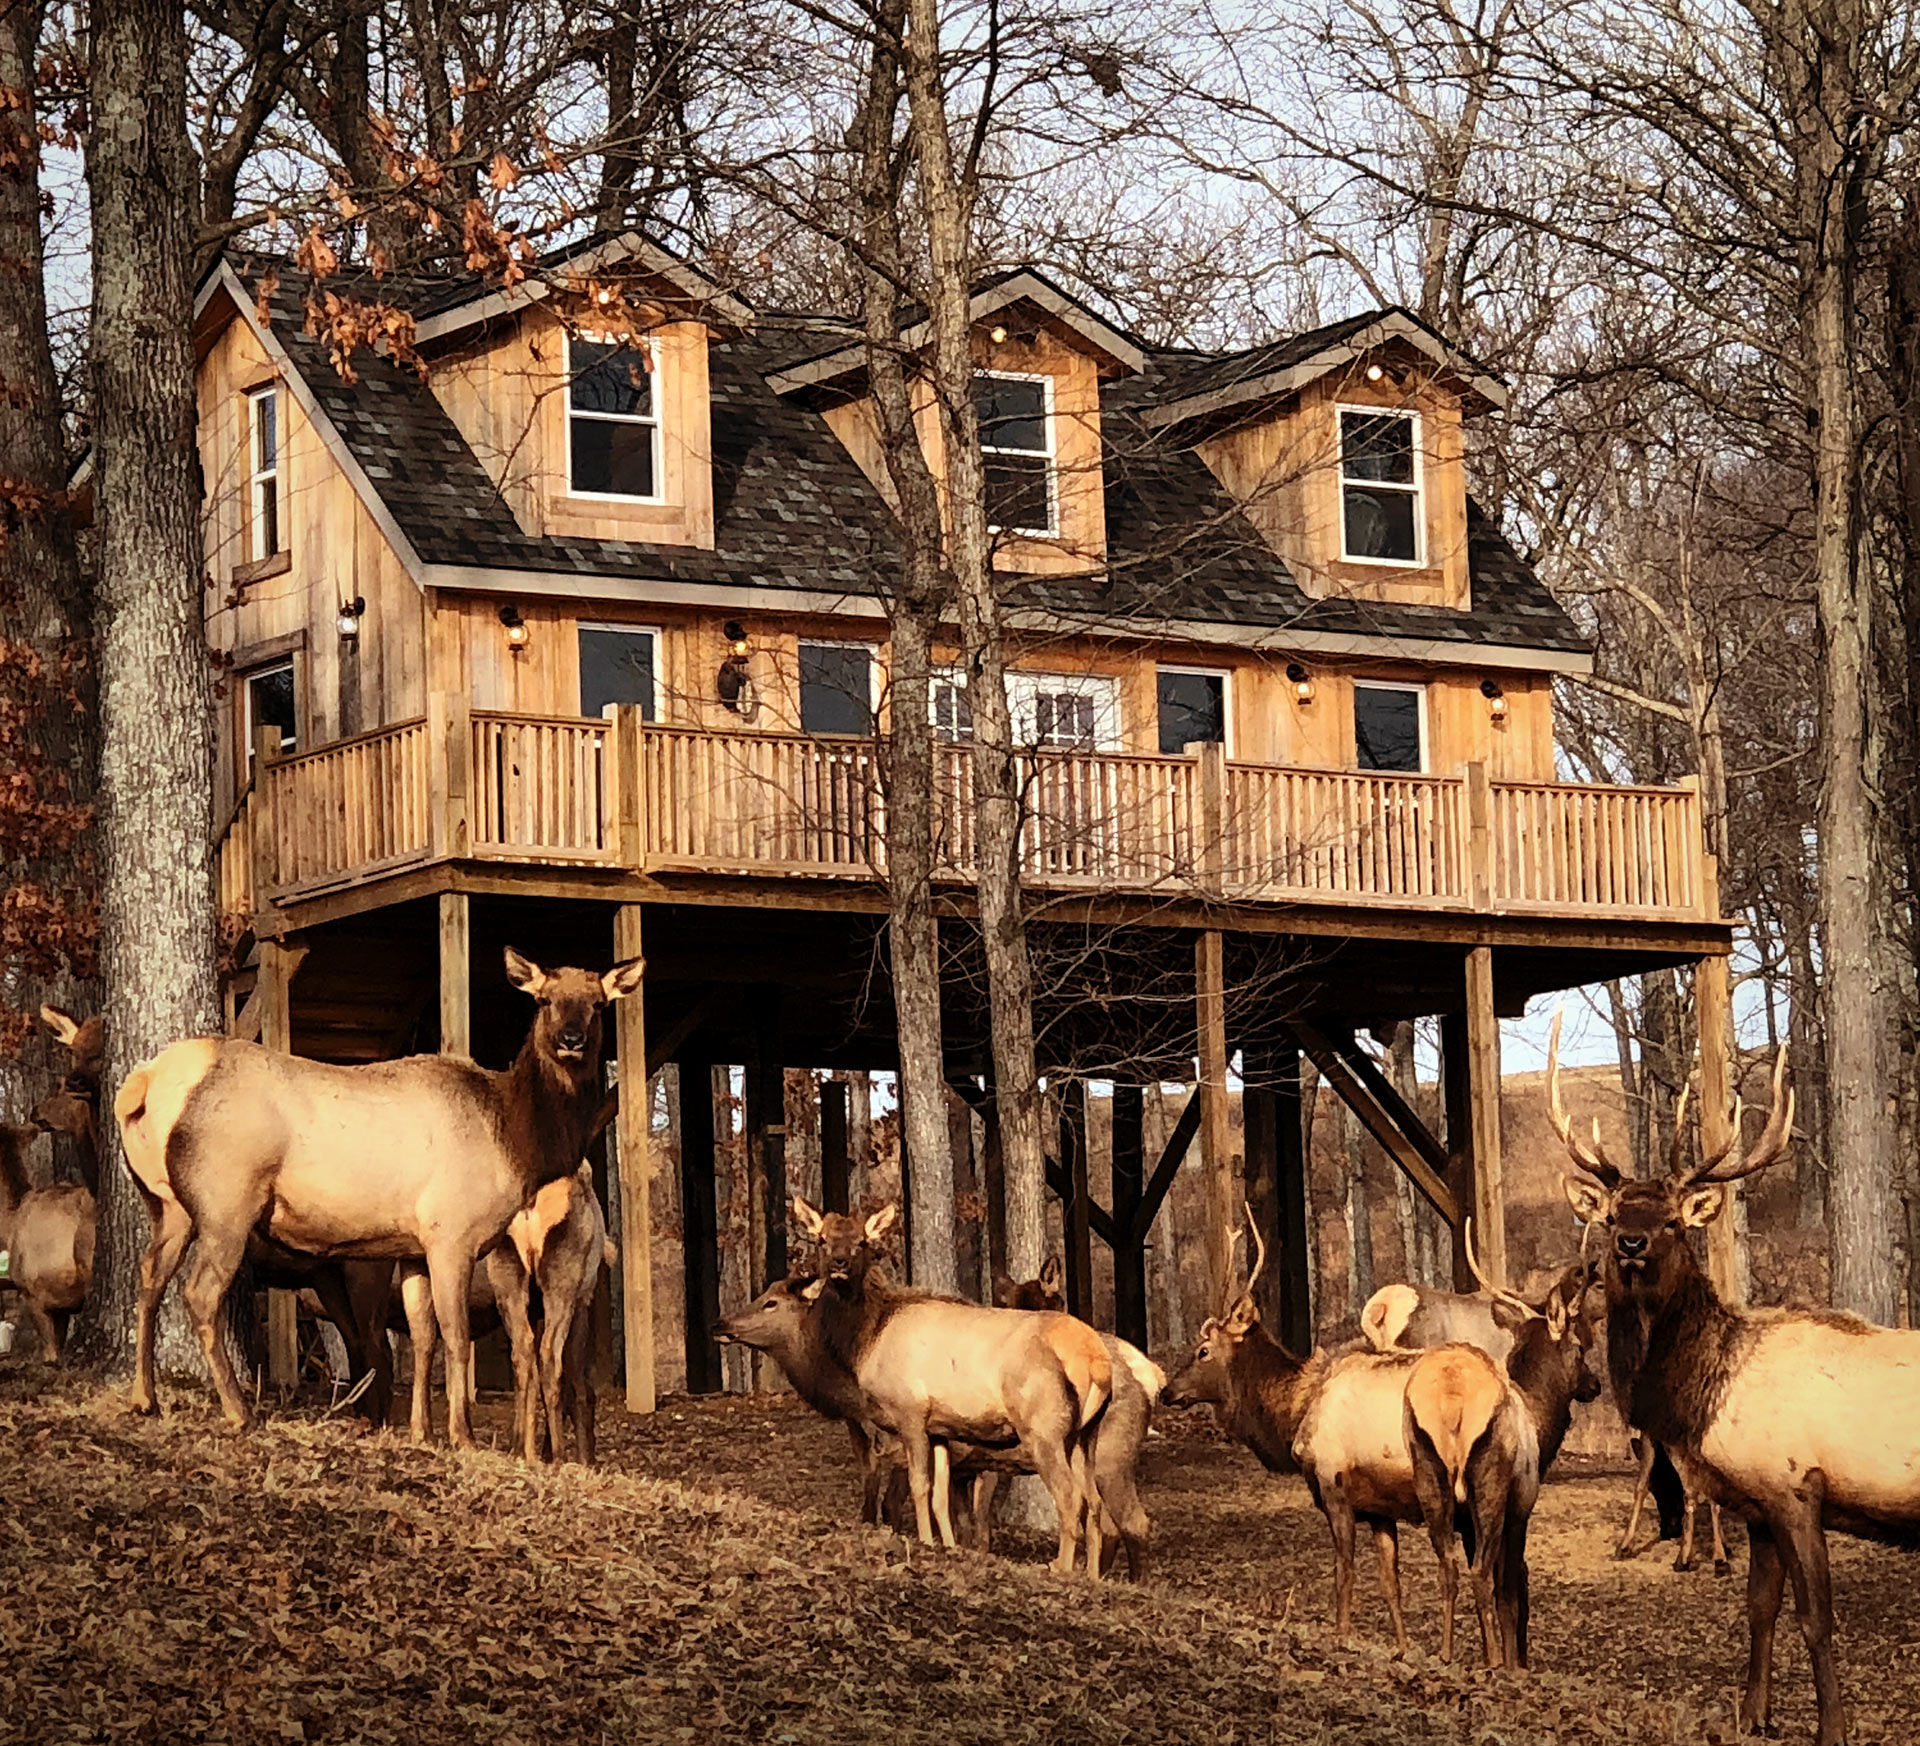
point(1065, 711)
point(837, 682)
point(619, 663)
point(613, 419)
point(263, 473)
point(951, 712)
point(269, 697)
point(1016, 451)
point(1381, 512)
point(1389, 725)
point(1192, 707)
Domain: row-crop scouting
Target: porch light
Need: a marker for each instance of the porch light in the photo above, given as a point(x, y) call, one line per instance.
point(736, 636)
point(1302, 682)
point(998, 335)
point(1496, 699)
point(348, 623)
point(733, 683)
point(1375, 372)
point(519, 635)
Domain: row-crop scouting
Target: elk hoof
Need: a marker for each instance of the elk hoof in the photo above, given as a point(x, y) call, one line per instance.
point(145, 1405)
point(1683, 1565)
point(1624, 1554)
point(1722, 1567)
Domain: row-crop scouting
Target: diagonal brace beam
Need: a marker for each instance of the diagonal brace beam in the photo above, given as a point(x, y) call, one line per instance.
point(1164, 1172)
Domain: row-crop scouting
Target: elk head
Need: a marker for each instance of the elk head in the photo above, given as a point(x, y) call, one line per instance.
point(567, 1029)
point(847, 1247)
point(1561, 1322)
point(86, 1046)
point(1644, 1224)
point(1048, 1292)
point(1206, 1377)
point(776, 1318)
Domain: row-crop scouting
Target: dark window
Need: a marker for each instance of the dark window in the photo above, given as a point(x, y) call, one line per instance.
point(612, 428)
point(264, 412)
point(1192, 708)
point(616, 666)
point(1386, 727)
point(1061, 718)
point(270, 703)
point(836, 688)
point(1380, 496)
point(952, 714)
point(1015, 452)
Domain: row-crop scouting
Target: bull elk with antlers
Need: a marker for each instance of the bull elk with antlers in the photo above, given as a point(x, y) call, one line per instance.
point(1799, 1420)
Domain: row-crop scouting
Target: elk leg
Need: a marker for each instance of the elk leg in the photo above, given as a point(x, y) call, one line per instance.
point(1766, 1582)
point(1642, 1480)
point(1095, 1508)
point(1487, 1503)
point(172, 1231)
point(576, 1360)
point(1339, 1514)
point(1055, 1467)
point(986, 1487)
point(1435, 1494)
point(330, 1286)
point(451, 1276)
point(919, 1454)
point(555, 1380)
point(216, 1258)
point(1386, 1542)
point(1688, 1511)
point(1803, 1540)
point(416, 1298)
point(943, 1494)
point(873, 1473)
point(44, 1331)
point(1515, 1601)
point(1722, 1564)
point(512, 1294)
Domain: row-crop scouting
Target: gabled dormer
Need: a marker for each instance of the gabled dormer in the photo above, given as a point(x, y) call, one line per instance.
point(1343, 447)
point(1041, 359)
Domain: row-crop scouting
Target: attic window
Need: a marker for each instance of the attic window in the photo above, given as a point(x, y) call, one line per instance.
point(263, 473)
point(1380, 486)
point(613, 423)
point(1016, 445)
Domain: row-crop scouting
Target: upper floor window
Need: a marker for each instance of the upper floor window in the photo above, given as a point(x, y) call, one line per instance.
point(1390, 726)
point(613, 419)
point(1016, 448)
point(618, 664)
point(1193, 708)
point(1064, 711)
point(269, 700)
point(836, 688)
point(952, 713)
point(1380, 486)
point(263, 473)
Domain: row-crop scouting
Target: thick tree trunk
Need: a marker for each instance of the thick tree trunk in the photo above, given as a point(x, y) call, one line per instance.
point(157, 904)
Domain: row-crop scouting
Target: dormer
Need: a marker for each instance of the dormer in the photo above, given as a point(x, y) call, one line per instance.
point(584, 393)
point(1040, 359)
point(1344, 448)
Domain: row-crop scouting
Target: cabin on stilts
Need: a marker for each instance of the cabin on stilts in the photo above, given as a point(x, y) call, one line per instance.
point(550, 613)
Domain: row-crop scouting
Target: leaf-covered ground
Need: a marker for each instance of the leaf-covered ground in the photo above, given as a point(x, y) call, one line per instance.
point(167, 1581)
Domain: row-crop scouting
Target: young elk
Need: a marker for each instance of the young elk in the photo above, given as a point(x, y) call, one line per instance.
point(429, 1157)
point(1481, 1439)
point(1799, 1420)
point(932, 1370)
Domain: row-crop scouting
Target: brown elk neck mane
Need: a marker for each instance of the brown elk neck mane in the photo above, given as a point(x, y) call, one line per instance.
point(848, 1316)
point(1532, 1367)
point(1270, 1388)
point(554, 1108)
point(1688, 1348)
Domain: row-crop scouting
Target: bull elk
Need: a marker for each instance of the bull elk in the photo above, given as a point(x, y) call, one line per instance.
point(933, 1370)
point(1799, 1420)
point(428, 1157)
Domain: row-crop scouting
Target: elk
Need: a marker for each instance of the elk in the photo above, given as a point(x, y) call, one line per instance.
point(934, 1369)
point(1334, 1418)
point(1415, 1317)
point(429, 1157)
point(1799, 1420)
point(48, 1235)
point(1481, 1438)
point(74, 1108)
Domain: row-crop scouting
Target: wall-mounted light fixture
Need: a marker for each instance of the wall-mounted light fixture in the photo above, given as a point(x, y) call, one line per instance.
point(1301, 681)
point(733, 683)
point(1375, 373)
point(348, 623)
point(997, 334)
point(1496, 699)
point(519, 635)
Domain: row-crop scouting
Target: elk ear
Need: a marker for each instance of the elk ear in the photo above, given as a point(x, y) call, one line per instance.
point(63, 1028)
point(623, 979)
point(1701, 1206)
point(1241, 1317)
point(1510, 1316)
point(881, 1222)
point(811, 1291)
point(810, 1221)
point(525, 974)
point(1052, 1274)
point(1556, 1315)
point(1588, 1199)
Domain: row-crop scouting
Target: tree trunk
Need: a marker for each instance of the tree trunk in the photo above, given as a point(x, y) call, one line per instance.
point(1353, 1152)
point(157, 901)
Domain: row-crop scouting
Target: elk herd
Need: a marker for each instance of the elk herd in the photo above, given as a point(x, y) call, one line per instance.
point(429, 1191)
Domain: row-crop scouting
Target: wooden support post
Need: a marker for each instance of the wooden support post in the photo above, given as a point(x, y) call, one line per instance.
point(1079, 1236)
point(700, 1224)
point(833, 1145)
point(456, 974)
point(278, 965)
point(1216, 1133)
point(1260, 1179)
point(263, 828)
point(629, 794)
point(1483, 1116)
point(765, 1115)
point(1130, 1246)
point(449, 772)
point(1290, 1119)
point(1457, 1095)
point(636, 1170)
point(1479, 836)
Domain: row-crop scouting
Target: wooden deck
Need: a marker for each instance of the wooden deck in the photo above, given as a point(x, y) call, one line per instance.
point(624, 795)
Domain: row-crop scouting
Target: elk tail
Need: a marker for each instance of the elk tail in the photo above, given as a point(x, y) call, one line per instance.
point(610, 1253)
point(1086, 1366)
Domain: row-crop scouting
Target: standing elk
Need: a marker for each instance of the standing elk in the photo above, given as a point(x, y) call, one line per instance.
point(931, 1370)
point(73, 1108)
point(1798, 1420)
point(427, 1157)
point(48, 1236)
point(1481, 1438)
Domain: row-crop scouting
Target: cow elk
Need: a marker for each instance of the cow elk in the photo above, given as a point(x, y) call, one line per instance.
point(1799, 1420)
point(1481, 1438)
point(428, 1157)
point(73, 1108)
point(48, 1236)
point(933, 1370)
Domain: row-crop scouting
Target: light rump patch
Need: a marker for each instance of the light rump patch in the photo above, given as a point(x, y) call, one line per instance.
point(150, 1102)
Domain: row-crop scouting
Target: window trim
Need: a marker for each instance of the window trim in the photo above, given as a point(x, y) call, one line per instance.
point(1417, 490)
point(640, 343)
point(631, 630)
point(1224, 675)
point(291, 661)
point(1420, 693)
point(1050, 454)
point(1024, 686)
point(874, 683)
point(257, 476)
point(955, 679)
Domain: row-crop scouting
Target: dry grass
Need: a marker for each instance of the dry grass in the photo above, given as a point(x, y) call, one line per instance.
point(168, 1581)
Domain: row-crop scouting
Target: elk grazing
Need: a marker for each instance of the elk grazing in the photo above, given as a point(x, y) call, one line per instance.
point(931, 1370)
point(48, 1236)
point(1799, 1420)
point(429, 1157)
point(1481, 1438)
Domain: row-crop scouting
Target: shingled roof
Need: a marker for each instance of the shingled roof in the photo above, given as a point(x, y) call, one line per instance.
point(793, 510)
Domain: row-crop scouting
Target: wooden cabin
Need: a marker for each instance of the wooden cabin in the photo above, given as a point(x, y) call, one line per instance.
point(555, 617)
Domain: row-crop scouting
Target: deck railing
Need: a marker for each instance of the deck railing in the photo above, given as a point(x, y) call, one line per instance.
point(672, 800)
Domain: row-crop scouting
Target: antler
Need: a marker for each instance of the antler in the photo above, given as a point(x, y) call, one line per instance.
point(1260, 1249)
point(1677, 1151)
point(1494, 1291)
point(1592, 1158)
point(1233, 1242)
point(1729, 1165)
